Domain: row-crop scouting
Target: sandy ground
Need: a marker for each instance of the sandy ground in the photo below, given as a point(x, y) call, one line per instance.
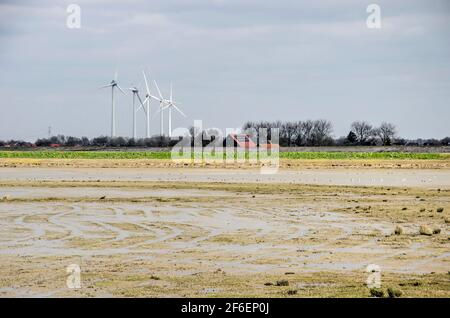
point(297, 164)
point(356, 177)
point(211, 232)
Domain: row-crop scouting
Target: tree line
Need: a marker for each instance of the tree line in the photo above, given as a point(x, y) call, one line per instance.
point(311, 133)
point(307, 133)
point(102, 141)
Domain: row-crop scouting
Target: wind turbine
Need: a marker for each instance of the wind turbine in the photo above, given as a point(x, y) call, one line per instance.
point(135, 92)
point(166, 104)
point(148, 97)
point(171, 104)
point(162, 102)
point(113, 85)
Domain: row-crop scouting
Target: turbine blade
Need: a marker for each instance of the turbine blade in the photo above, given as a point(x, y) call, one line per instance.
point(162, 106)
point(143, 108)
point(105, 86)
point(159, 92)
point(140, 100)
point(115, 75)
point(179, 110)
point(170, 92)
point(156, 98)
point(146, 84)
point(120, 88)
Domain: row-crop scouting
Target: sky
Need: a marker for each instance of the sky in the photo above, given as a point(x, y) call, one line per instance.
point(229, 61)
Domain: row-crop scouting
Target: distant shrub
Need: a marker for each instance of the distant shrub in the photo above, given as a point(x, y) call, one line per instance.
point(425, 230)
point(376, 292)
point(282, 282)
point(398, 230)
point(394, 293)
point(292, 292)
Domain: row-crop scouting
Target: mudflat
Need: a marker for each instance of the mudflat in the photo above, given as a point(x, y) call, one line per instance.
point(217, 232)
point(357, 177)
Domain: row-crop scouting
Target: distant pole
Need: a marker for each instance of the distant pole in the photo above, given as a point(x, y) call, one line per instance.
point(49, 131)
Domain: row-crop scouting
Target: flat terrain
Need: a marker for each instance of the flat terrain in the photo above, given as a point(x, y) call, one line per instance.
point(428, 178)
point(209, 231)
point(126, 154)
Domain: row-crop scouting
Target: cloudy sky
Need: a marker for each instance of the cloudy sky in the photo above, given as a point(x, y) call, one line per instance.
point(229, 61)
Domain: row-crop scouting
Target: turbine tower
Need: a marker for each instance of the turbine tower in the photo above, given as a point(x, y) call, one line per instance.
point(171, 104)
point(113, 85)
point(135, 93)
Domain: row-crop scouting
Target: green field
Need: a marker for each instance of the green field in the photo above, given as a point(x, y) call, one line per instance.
point(363, 155)
point(167, 155)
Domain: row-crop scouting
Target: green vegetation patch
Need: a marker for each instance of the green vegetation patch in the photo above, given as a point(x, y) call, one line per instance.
point(362, 155)
point(86, 154)
point(55, 154)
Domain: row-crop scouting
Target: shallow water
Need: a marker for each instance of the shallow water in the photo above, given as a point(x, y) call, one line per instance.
point(363, 177)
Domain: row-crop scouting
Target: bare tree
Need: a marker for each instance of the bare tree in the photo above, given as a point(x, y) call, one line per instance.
point(307, 132)
point(386, 132)
point(322, 132)
point(363, 131)
point(297, 136)
point(288, 132)
point(248, 124)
